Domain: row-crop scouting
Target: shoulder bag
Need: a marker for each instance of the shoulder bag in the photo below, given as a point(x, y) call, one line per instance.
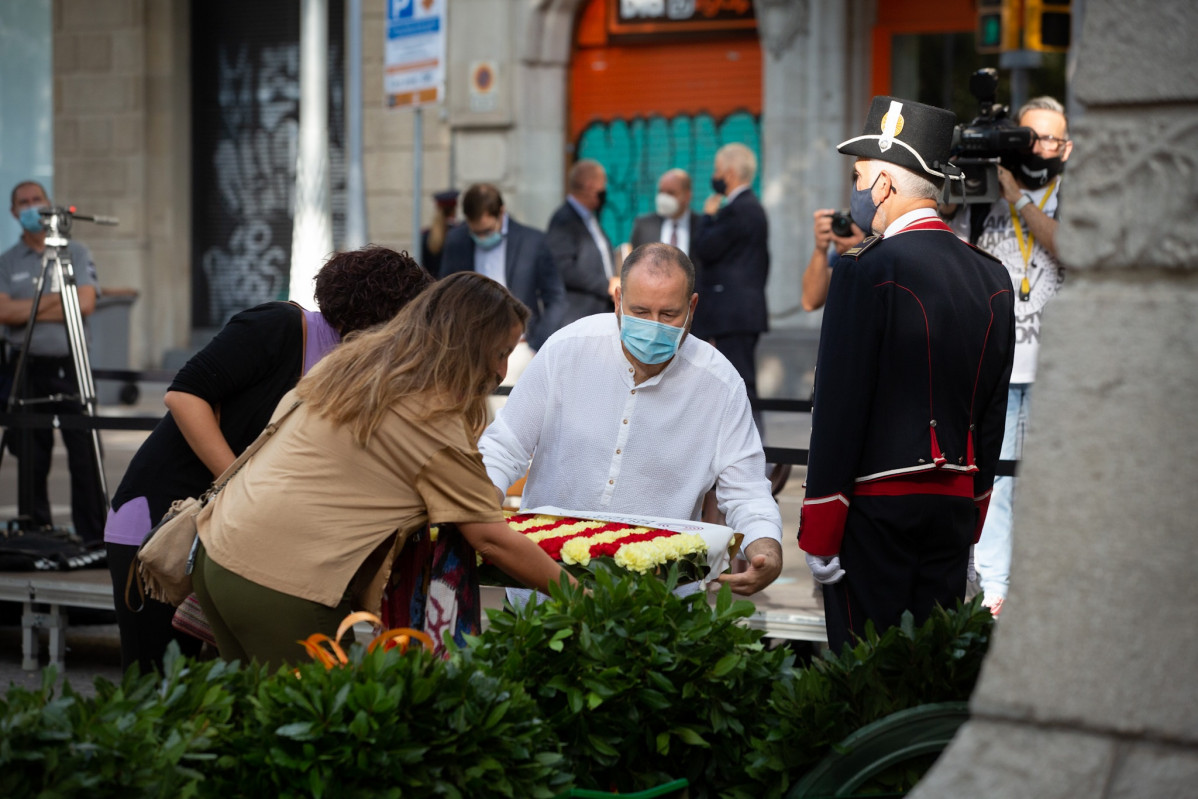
point(165, 558)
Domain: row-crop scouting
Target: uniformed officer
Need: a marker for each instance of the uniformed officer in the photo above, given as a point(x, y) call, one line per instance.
point(910, 389)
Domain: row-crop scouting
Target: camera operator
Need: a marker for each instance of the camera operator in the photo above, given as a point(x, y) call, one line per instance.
point(835, 232)
point(48, 366)
point(1020, 229)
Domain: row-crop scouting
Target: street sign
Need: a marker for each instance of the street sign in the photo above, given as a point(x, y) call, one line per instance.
point(414, 53)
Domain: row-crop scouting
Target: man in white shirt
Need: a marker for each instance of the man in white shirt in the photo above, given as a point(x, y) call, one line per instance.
point(1020, 230)
point(628, 414)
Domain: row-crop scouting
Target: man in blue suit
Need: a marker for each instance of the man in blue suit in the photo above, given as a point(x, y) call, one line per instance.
point(732, 243)
point(494, 244)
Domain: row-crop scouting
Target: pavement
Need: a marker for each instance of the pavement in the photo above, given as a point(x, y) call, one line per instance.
point(92, 641)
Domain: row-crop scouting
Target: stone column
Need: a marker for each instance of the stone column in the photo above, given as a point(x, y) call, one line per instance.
point(812, 60)
point(1089, 689)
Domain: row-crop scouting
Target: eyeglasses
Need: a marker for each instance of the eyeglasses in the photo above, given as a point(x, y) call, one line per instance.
point(1051, 143)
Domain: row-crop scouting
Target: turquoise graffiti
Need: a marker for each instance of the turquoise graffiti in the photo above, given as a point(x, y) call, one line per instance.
point(636, 151)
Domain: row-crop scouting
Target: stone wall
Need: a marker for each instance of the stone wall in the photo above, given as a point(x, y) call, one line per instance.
point(101, 160)
point(388, 146)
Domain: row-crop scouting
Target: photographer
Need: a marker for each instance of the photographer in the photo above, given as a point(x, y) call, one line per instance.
point(835, 232)
point(49, 369)
point(1020, 229)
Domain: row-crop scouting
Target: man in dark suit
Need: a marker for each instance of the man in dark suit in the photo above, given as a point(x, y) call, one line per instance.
point(494, 244)
point(581, 251)
point(673, 221)
point(732, 245)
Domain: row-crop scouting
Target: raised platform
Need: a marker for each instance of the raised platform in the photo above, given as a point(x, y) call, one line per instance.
point(44, 597)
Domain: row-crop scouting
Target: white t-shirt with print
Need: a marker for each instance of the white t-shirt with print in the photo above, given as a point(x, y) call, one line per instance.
point(1044, 273)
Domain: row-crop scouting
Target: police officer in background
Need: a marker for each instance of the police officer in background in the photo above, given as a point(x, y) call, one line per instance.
point(48, 366)
point(910, 390)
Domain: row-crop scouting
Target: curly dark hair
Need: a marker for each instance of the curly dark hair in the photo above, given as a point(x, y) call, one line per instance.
point(362, 288)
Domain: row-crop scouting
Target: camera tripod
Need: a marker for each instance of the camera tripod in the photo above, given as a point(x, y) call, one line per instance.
point(57, 275)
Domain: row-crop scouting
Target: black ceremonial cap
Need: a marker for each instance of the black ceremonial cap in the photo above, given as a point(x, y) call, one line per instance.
point(910, 134)
point(448, 197)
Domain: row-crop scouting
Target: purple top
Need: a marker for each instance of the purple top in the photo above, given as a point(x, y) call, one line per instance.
point(321, 338)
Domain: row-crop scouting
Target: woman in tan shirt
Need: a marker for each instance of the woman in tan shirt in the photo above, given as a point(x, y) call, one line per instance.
point(383, 441)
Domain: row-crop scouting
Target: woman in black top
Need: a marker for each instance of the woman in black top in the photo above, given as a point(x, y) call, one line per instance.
point(222, 398)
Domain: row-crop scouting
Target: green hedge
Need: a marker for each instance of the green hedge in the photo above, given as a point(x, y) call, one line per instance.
point(621, 687)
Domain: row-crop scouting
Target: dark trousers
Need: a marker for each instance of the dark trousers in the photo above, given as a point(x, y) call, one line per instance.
point(145, 633)
point(898, 553)
point(43, 378)
point(741, 350)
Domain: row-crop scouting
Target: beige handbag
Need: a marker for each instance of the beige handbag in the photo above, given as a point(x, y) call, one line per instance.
point(165, 558)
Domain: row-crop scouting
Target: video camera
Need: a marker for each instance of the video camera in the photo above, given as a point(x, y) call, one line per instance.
point(981, 146)
point(58, 219)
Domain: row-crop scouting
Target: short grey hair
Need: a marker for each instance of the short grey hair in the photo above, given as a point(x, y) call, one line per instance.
point(1044, 103)
point(740, 158)
point(910, 183)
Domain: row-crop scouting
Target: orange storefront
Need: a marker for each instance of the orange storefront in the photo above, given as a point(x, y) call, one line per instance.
point(648, 94)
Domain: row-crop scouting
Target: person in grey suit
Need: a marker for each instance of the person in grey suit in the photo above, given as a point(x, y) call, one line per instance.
point(580, 249)
point(673, 221)
point(515, 255)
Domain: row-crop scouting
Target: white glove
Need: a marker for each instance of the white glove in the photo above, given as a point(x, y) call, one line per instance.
point(825, 570)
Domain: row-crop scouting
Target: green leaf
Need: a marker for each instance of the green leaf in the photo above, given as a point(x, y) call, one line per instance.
point(725, 664)
point(689, 736)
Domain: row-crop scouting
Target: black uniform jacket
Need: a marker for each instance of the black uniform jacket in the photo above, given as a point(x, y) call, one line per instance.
point(911, 379)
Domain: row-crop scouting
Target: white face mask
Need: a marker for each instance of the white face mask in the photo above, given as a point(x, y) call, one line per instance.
point(666, 204)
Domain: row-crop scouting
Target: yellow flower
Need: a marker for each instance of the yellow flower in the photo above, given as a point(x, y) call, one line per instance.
point(645, 556)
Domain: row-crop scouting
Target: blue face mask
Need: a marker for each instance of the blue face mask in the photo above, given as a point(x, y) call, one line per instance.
point(31, 220)
point(487, 242)
point(649, 342)
point(862, 207)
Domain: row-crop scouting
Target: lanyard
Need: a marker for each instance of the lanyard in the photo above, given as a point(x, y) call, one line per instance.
point(1026, 245)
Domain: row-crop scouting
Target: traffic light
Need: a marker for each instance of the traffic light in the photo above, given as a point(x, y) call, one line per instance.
point(998, 25)
point(1046, 25)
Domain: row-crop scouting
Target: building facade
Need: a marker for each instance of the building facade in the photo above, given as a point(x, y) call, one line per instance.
point(180, 118)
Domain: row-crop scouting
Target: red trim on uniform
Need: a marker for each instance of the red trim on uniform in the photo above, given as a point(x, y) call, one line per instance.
point(821, 524)
point(943, 483)
point(937, 453)
point(927, 223)
point(983, 505)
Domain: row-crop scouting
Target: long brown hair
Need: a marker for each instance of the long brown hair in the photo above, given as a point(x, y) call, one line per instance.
point(442, 345)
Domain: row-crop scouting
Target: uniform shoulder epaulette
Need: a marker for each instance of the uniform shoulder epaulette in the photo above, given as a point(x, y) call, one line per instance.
point(859, 250)
point(986, 253)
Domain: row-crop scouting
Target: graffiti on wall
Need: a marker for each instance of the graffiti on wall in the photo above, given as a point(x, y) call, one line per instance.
point(246, 118)
point(635, 152)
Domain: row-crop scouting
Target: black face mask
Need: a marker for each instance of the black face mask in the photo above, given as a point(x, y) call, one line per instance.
point(719, 185)
point(600, 199)
point(1034, 171)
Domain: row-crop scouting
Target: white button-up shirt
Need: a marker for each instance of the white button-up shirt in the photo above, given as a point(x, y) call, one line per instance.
point(681, 227)
point(604, 443)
